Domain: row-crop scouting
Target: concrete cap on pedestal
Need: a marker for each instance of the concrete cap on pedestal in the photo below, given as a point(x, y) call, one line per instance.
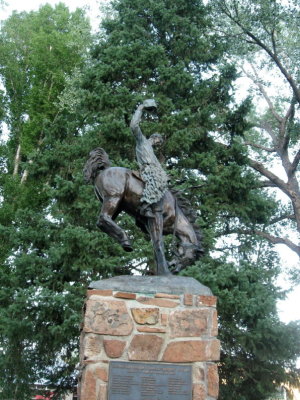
point(153, 284)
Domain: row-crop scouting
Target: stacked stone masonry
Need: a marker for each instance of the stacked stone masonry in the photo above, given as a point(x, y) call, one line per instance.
point(159, 327)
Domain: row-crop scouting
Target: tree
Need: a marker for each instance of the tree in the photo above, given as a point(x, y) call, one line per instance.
point(33, 74)
point(259, 352)
point(265, 36)
point(163, 49)
point(155, 50)
point(38, 52)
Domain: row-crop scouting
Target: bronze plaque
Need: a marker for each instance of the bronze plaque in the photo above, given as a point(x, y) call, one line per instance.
point(149, 381)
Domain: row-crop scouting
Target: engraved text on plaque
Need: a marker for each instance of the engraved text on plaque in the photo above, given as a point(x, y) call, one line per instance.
point(149, 381)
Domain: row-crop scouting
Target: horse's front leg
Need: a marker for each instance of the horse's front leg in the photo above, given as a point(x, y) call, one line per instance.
point(107, 225)
point(155, 228)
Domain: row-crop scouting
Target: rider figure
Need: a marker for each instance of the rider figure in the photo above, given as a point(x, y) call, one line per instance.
point(155, 178)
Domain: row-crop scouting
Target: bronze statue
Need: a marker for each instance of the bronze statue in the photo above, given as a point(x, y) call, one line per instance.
point(158, 213)
point(154, 177)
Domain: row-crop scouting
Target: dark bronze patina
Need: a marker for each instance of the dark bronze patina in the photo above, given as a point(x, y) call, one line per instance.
point(153, 381)
point(154, 177)
point(121, 189)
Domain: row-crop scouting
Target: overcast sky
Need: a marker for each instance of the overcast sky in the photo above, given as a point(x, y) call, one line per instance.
point(290, 308)
point(91, 6)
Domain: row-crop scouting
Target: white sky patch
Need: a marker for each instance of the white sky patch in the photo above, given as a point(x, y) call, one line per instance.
point(93, 8)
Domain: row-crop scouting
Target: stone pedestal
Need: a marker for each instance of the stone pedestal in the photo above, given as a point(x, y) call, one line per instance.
point(149, 319)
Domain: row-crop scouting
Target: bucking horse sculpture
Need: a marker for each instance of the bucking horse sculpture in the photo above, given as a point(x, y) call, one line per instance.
point(120, 189)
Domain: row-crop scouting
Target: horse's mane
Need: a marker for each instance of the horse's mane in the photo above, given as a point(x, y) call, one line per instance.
point(98, 161)
point(187, 210)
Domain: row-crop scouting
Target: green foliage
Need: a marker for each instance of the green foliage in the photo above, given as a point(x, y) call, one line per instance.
point(258, 352)
point(40, 301)
point(61, 104)
point(267, 20)
point(263, 38)
point(38, 50)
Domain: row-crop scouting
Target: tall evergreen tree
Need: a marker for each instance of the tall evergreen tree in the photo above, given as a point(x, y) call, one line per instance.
point(163, 49)
point(167, 50)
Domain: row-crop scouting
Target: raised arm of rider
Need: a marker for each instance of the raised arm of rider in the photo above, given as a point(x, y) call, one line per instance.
point(135, 121)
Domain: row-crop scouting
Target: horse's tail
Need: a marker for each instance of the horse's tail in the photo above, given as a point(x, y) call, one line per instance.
point(191, 215)
point(98, 161)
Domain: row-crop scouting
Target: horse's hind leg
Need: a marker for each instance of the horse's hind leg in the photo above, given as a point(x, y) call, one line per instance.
point(155, 229)
point(106, 224)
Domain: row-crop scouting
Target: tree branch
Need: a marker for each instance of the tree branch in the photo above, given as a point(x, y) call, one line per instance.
point(268, 128)
point(277, 240)
point(25, 173)
point(289, 115)
point(262, 90)
point(263, 184)
point(17, 160)
point(265, 125)
point(273, 56)
point(271, 238)
point(268, 174)
point(283, 217)
point(274, 42)
point(262, 45)
point(290, 110)
point(294, 165)
point(258, 146)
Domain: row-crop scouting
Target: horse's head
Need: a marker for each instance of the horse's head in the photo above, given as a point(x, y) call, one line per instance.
point(98, 160)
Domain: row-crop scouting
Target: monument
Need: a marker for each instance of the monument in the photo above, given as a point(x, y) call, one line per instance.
point(147, 337)
point(145, 197)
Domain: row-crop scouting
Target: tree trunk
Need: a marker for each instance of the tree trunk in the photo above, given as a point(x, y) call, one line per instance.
point(17, 161)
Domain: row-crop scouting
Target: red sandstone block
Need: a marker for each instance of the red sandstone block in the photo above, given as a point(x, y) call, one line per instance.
point(210, 301)
point(98, 292)
point(214, 327)
point(101, 373)
point(212, 380)
point(199, 392)
point(186, 351)
point(145, 348)
point(88, 386)
point(164, 319)
point(158, 302)
point(125, 295)
point(147, 316)
point(188, 299)
point(107, 317)
point(92, 375)
point(114, 348)
point(192, 350)
point(167, 296)
point(214, 350)
point(151, 329)
point(189, 323)
point(91, 345)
